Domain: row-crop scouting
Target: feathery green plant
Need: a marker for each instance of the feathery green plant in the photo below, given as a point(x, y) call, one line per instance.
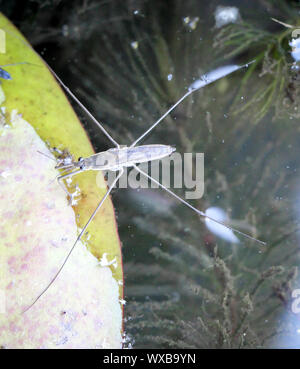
point(183, 286)
point(276, 84)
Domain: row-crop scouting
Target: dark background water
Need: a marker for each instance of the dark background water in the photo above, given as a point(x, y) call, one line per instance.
point(184, 286)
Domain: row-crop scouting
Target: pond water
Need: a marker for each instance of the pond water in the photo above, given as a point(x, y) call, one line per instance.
point(187, 286)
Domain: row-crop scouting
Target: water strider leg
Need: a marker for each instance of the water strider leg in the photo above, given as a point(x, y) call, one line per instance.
point(114, 142)
point(195, 209)
point(161, 118)
point(4, 74)
point(9, 65)
point(206, 80)
point(68, 175)
point(78, 238)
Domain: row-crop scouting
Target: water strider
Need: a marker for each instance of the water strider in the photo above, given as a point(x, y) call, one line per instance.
point(115, 159)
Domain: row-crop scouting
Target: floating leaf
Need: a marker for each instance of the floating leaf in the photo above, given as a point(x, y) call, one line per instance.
point(81, 309)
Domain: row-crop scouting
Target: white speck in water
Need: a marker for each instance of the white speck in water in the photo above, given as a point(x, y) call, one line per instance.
point(65, 30)
point(134, 44)
point(136, 12)
point(170, 77)
point(242, 97)
point(225, 15)
point(191, 22)
point(295, 67)
point(295, 45)
point(218, 229)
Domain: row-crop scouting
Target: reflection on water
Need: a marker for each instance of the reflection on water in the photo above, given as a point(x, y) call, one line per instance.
point(225, 15)
point(214, 75)
point(295, 45)
point(219, 230)
point(130, 60)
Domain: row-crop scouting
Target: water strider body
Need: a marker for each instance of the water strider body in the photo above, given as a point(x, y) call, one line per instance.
point(117, 158)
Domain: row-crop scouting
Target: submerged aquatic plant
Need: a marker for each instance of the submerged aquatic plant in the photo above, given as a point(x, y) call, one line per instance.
point(277, 83)
point(183, 286)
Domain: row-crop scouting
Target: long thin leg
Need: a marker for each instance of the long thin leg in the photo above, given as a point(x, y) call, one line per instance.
point(9, 65)
point(78, 238)
point(5, 75)
point(195, 209)
point(204, 81)
point(60, 177)
point(84, 108)
point(47, 156)
point(64, 176)
point(162, 117)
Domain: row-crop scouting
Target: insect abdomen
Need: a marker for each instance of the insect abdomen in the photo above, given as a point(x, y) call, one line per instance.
point(113, 159)
point(145, 153)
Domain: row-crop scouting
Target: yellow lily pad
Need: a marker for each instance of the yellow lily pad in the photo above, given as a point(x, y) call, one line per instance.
point(35, 94)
